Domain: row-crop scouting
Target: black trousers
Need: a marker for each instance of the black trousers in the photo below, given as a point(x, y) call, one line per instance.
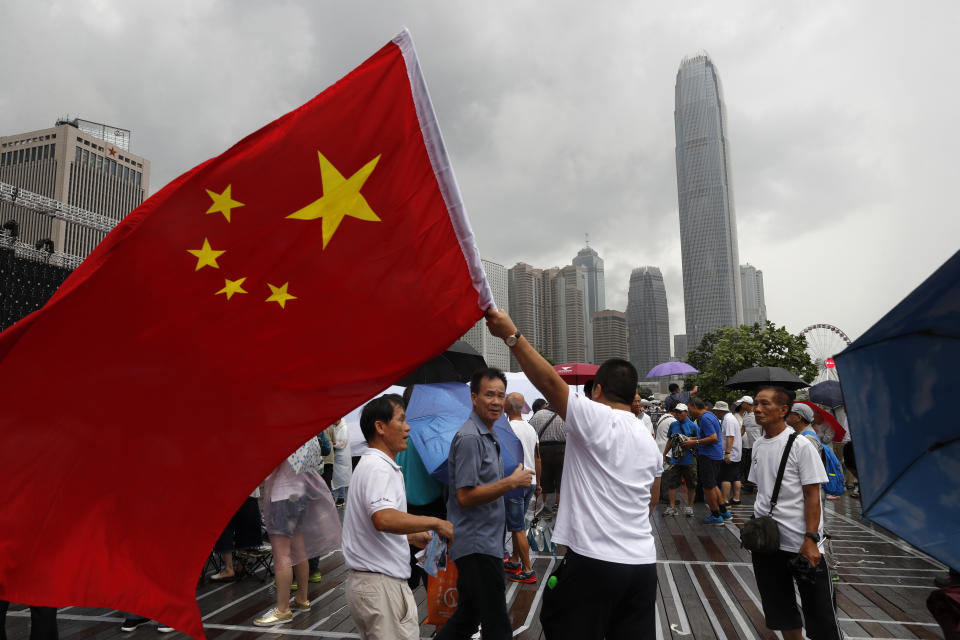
point(43, 622)
point(775, 582)
point(482, 600)
point(594, 599)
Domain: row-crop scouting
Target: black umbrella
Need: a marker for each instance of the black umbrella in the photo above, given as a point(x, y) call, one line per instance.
point(456, 364)
point(755, 377)
point(827, 393)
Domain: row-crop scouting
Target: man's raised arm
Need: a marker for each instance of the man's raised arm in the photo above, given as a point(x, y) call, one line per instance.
point(535, 366)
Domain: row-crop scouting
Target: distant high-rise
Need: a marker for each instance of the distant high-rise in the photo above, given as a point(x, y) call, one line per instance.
point(754, 305)
point(567, 322)
point(592, 264)
point(525, 287)
point(648, 323)
point(77, 162)
point(708, 226)
point(609, 336)
point(493, 350)
point(680, 346)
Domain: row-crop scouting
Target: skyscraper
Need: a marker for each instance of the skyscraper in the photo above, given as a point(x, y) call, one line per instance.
point(493, 350)
point(609, 336)
point(708, 226)
point(77, 162)
point(754, 305)
point(680, 346)
point(592, 264)
point(525, 290)
point(567, 322)
point(648, 323)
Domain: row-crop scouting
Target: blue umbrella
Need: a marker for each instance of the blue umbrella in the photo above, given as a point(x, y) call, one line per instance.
point(898, 379)
point(827, 393)
point(435, 414)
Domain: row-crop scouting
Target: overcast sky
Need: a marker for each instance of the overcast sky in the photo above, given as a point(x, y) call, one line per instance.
point(843, 120)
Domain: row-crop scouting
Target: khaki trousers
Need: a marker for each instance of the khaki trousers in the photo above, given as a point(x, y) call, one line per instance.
point(382, 607)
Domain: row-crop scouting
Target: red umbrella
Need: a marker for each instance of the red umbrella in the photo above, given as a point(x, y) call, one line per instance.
point(576, 372)
point(838, 430)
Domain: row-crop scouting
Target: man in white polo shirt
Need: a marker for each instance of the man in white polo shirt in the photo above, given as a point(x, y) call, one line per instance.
point(377, 529)
point(799, 517)
point(606, 585)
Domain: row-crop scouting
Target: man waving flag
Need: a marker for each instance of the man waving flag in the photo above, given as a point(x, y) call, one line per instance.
point(252, 301)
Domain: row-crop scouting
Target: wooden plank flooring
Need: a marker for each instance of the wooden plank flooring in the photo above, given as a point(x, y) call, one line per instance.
point(706, 590)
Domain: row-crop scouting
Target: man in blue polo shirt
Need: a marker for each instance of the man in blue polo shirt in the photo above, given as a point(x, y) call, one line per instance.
point(476, 509)
point(709, 460)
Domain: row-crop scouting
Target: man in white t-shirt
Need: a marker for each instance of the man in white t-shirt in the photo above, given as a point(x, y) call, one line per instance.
point(799, 517)
point(377, 529)
point(732, 446)
point(518, 568)
point(606, 585)
point(639, 409)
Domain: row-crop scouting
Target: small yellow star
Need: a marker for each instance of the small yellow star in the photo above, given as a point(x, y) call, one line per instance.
point(206, 256)
point(341, 198)
point(223, 202)
point(280, 295)
point(231, 287)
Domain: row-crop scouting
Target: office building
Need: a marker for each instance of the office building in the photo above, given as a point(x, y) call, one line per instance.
point(76, 162)
point(708, 225)
point(525, 290)
point(567, 322)
point(609, 335)
point(648, 322)
point(493, 350)
point(754, 305)
point(680, 347)
point(592, 264)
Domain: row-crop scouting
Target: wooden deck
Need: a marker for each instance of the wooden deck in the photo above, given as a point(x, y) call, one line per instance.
point(707, 590)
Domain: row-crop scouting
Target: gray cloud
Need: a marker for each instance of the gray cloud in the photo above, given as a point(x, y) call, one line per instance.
point(560, 121)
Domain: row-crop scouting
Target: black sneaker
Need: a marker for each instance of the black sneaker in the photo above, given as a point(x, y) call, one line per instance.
point(132, 622)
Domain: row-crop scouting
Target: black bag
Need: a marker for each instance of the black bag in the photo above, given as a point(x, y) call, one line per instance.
point(325, 446)
point(762, 535)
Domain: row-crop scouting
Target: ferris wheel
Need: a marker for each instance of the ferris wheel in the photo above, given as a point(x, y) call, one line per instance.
point(823, 342)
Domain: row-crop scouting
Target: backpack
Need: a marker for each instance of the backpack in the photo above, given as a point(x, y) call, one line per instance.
point(835, 482)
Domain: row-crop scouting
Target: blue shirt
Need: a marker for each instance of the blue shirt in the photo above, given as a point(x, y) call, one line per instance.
point(688, 428)
point(474, 460)
point(709, 425)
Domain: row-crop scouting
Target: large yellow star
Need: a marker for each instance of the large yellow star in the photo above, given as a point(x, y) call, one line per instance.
point(206, 256)
point(341, 198)
point(231, 287)
point(280, 295)
point(222, 202)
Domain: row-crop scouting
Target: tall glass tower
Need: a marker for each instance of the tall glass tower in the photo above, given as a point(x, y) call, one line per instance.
point(648, 323)
point(595, 299)
point(708, 225)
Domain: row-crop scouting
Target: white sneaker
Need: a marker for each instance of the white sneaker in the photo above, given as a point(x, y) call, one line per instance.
point(670, 511)
point(688, 511)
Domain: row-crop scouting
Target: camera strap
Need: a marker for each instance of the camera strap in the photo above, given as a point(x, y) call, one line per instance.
point(783, 467)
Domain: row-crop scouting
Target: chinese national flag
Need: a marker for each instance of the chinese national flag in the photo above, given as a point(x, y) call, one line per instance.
point(249, 304)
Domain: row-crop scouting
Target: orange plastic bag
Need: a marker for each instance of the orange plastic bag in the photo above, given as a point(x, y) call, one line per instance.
point(442, 595)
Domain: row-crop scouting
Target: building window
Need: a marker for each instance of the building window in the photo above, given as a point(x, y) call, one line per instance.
point(53, 148)
point(99, 163)
point(79, 155)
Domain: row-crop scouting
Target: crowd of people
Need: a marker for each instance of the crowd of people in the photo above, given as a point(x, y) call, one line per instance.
point(606, 454)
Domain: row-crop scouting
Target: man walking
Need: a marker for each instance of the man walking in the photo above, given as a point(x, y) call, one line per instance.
point(732, 446)
point(799, 519)
point(750, 430)
point(683, 467)
point(518, 568)
point(709, 460)
point(553, 445)
point(606, 585)
point(377, 529)
point(475, 507)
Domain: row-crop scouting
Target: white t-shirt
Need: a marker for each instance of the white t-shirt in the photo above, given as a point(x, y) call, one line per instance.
point(608, 470)
point(751, 430)
point(663, 427)
point(528, 438)
point(648, 423)
point(803, 467)
point(731, 427)
point(377, 484)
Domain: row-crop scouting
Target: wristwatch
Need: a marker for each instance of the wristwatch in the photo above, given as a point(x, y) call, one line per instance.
point(512, 340)
point(813, 536)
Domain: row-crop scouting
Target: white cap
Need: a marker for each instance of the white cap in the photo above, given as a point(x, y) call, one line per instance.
point(680, 407)
point(746, 399)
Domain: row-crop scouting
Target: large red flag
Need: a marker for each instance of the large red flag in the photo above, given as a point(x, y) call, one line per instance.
point(247, 305)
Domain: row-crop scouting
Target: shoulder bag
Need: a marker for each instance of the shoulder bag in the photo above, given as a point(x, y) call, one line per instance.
point(762, 535)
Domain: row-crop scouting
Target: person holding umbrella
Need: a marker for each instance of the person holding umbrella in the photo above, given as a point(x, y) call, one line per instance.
point(606, 585)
